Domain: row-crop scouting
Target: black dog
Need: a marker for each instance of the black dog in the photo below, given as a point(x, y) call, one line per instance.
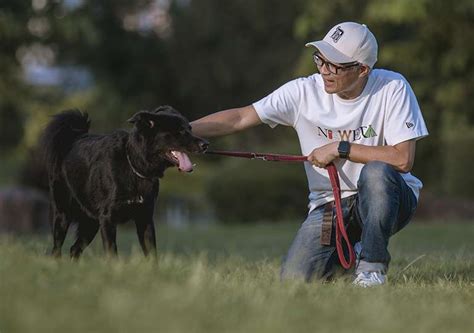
point(99, 181)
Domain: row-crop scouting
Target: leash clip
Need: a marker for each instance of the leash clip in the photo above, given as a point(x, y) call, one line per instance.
point(258, 157)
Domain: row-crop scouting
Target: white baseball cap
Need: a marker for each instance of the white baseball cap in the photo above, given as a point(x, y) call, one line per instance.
point(348, 42)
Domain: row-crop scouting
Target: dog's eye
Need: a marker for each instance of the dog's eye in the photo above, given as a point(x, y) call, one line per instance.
point(182, 132)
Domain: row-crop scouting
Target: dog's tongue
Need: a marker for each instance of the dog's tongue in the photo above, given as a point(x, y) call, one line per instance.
point(184, 161)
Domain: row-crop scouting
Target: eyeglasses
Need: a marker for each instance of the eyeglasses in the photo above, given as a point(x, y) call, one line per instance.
point(332, 68)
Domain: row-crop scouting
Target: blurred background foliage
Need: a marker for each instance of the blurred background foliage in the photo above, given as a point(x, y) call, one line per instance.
point(113, 58)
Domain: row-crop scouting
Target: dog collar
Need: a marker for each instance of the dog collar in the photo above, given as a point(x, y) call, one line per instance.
point(137, 200)
point(134, 170)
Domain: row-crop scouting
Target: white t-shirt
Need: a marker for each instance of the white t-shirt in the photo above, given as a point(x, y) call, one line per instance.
point(385, 113)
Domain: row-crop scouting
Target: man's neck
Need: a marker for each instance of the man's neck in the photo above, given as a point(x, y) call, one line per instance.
point(355, 90)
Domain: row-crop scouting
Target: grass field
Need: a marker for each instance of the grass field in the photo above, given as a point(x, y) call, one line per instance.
point(225, 279)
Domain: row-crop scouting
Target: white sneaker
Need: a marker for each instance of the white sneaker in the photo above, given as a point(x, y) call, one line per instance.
point(369, 279)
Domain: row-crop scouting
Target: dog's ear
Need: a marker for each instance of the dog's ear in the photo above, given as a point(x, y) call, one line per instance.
point(143, 118)
point(165, 108)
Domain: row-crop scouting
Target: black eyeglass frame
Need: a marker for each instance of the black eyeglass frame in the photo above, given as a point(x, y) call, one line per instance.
point(320, 62)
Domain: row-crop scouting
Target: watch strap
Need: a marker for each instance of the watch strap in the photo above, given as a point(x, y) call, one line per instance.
point(344, 149)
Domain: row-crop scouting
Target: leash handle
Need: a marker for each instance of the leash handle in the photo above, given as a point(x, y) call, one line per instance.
point(340, 228)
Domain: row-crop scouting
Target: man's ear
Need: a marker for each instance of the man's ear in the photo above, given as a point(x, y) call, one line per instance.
point(143, 118)
point(364, 70)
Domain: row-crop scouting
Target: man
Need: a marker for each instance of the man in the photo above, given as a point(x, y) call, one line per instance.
point(366, 121)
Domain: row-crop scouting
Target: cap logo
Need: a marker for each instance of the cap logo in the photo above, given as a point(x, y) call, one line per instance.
point(337, 34)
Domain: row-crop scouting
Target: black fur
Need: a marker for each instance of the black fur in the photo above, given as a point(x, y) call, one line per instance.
point(99, 181)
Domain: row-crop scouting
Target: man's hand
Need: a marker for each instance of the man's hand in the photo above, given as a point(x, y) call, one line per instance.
point(324, 155)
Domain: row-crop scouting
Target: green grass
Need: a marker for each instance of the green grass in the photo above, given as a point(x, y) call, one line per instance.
point(225, 279)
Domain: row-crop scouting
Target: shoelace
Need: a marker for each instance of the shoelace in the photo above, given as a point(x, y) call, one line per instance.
point(368, 278)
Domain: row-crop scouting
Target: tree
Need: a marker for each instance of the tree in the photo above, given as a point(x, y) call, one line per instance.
point(13, 34)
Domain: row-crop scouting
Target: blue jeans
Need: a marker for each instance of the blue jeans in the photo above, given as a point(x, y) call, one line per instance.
point(383, 205)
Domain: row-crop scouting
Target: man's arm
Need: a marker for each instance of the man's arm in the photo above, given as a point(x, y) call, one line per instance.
point(226, 122)
point(400, 156)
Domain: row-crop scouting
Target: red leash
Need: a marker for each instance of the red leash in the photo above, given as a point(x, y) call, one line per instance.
point(340, 229)
point(336, 189)
point(264, 157)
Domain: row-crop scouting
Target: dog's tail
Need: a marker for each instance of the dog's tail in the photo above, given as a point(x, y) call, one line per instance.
point(60, 134)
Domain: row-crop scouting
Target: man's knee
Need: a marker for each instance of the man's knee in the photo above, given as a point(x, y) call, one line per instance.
point(376, 177)
point(289, 272)
point(321, 267)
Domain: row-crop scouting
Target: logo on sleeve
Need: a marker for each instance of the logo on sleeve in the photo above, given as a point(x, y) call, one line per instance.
point(409, 125)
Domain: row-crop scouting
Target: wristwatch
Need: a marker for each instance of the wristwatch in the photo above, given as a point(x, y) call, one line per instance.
point(344, 149)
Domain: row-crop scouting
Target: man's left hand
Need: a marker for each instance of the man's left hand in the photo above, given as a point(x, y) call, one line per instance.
point(324, 155)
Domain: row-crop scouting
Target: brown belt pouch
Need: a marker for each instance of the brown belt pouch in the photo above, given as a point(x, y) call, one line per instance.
point(326, 227)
